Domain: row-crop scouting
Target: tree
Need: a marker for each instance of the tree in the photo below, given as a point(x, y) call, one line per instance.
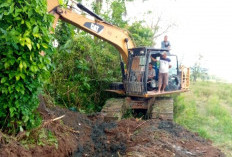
point(142, 36)
point(197, 71)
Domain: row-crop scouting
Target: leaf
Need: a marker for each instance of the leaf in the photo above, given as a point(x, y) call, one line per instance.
point(38, 46)
point(26, 118)
point(12, 109)
point(12, 61)
point(21, 66)
point(28, 43)
point(45, 45)
point(25, 65)
point(28, 40)
point(61, 2)
point(22, 76)
point(6, 65)
point(3, 80)
point(28, 25)
point(29, 46)
point(11, 8)
point(11, 75)
point(21, 129)
point(27, 33)
point(17, 78)
point(30, 12)
point(37, 35)
point(30, 58)
point(34, 68)
point(35, 29)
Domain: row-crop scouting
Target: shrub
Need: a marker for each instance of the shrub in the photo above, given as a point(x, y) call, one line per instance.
point(24, 33)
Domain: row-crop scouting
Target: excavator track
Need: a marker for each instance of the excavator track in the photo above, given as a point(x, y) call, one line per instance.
point(162, 108)
point(114, 109)
point(157, 108)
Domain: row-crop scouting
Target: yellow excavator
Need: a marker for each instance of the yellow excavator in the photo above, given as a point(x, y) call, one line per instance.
point(134, 85)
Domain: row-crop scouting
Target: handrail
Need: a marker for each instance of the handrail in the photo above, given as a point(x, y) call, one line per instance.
point(185, 77)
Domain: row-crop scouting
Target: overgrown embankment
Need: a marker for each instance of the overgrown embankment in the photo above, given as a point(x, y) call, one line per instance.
point(207, 109)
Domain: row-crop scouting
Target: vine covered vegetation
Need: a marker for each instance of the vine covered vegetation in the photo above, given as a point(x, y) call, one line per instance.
point(24, 33)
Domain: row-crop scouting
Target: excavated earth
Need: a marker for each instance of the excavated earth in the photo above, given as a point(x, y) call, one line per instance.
point(82, 135)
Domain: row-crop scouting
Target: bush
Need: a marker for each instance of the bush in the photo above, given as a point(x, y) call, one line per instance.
point(84, 68)
point(24, 33)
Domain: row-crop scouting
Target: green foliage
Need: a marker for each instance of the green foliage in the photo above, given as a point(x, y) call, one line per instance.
point(84, 69)
point(128, 114)
point(116, 13)
point(118, 10)
point(143, 36)
point(41, 137)
point(97, 6)
point(207, 109)
point(24, 32)
point(63, 32)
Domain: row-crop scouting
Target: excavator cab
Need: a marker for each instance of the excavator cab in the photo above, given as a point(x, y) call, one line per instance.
point(135, 82)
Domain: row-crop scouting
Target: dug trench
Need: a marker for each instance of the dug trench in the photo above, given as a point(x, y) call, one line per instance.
point(80, 135)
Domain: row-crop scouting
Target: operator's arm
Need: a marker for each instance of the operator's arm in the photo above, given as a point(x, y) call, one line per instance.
point(153, 59)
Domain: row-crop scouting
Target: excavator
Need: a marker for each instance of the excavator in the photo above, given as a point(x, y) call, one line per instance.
point(134, 62)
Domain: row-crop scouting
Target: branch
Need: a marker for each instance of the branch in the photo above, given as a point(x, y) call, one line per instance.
point(165, 31)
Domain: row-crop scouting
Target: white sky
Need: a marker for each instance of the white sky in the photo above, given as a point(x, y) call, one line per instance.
point(202, 27)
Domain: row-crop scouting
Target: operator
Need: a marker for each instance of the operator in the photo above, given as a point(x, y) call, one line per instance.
point(151, 75)
point(166, 44)
point(163, 71)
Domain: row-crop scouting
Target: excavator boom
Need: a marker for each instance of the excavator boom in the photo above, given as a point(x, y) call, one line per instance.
point(118, 37)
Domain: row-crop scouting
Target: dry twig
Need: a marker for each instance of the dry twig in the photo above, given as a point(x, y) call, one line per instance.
point(142, 124)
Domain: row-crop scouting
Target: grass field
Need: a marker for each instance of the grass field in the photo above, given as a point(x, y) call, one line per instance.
point(207, 110)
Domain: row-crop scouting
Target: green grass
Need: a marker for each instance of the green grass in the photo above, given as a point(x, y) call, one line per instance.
point(207, 110)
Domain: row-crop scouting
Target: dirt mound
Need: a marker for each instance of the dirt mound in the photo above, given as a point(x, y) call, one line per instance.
point(134, 137)
point(81, 135)
point(163, 138)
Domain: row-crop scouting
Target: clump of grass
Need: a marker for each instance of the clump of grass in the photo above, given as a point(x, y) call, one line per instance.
point(207, 110)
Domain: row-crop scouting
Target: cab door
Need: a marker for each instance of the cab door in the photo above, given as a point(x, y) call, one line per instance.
point(136, 77)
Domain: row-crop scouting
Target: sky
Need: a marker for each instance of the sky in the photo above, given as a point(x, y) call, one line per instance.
point(198, 27)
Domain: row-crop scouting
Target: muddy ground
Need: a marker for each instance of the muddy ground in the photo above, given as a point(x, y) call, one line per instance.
point(82, 135)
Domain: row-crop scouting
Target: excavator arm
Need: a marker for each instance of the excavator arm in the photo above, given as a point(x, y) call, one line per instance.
point(118, 37)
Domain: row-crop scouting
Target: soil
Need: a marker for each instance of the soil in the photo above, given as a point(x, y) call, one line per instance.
point(82, 135)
